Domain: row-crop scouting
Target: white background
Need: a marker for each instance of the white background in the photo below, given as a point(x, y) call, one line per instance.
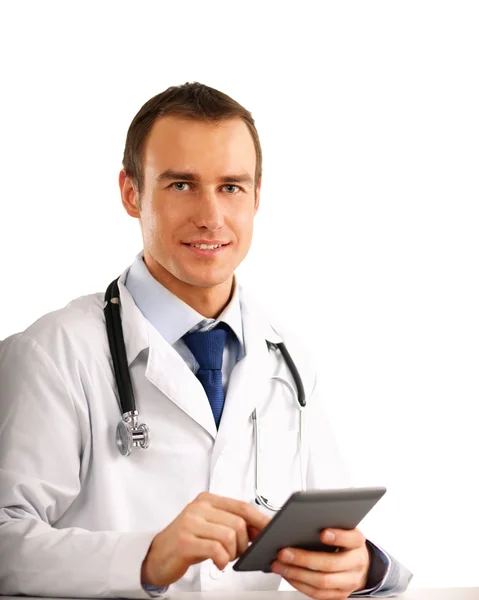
point(367, 241)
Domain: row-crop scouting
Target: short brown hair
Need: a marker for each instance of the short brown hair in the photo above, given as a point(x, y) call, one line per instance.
point(190, 100)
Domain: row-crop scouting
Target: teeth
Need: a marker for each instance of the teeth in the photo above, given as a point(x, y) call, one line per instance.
point(206, 246)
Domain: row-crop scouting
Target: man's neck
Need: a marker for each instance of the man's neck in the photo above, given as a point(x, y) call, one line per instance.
point(207, 301)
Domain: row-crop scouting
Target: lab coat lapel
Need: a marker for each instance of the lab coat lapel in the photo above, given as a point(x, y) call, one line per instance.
point(250, 379)
point(165, 368)
point(169, 373)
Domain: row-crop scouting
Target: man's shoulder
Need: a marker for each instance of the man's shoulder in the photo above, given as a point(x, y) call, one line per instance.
point(76, 323)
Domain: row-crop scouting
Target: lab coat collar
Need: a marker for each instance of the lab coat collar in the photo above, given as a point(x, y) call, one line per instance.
point(134, 324)
point(255, 312)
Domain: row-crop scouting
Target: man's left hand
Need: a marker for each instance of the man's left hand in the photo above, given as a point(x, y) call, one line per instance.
point(327, 575)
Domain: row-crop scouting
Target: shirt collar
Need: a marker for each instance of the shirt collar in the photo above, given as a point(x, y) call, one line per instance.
point(169, 315)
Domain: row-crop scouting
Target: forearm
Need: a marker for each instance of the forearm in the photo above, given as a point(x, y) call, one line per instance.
point(38, 560)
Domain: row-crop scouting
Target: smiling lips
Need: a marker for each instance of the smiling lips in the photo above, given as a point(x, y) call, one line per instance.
point(206, 247)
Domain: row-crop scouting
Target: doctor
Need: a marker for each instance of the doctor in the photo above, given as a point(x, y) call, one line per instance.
point(80, 519)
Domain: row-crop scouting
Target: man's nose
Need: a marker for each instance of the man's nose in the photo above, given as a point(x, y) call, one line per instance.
point(209, 212)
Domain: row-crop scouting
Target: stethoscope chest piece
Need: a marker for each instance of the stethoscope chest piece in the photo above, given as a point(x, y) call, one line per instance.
point(130, 435)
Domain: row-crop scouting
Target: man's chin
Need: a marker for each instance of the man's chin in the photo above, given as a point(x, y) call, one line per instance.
point(208, 280)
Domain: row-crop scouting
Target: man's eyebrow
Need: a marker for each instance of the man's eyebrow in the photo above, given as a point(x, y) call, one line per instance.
point(240, 178)
point(170, 175)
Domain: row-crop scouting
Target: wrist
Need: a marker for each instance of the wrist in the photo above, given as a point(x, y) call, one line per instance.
point(149, 575)
point(145, 577)
point(154, 567)
point(365, 576)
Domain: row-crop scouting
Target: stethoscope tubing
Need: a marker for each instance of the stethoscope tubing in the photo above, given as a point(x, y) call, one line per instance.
point(117, 349)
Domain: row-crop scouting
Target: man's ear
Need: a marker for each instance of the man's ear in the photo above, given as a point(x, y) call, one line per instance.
point(130, 198)
point(257, 197)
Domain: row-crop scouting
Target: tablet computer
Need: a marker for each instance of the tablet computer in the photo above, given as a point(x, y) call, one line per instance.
point(303, 516)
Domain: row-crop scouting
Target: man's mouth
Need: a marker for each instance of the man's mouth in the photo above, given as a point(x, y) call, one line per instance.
point(207, 246)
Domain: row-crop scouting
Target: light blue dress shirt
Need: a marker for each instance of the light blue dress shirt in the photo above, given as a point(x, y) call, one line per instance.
point(173, 318)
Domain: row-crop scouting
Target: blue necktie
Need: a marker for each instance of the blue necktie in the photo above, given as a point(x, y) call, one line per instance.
point(207, 347)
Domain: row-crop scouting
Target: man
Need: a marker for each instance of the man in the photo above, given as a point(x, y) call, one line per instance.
point(80, 519)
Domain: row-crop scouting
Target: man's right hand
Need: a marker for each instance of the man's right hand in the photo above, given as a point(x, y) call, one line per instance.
point(209, 527)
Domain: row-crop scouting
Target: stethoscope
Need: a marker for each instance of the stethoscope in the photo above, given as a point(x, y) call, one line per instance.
point(130, 434)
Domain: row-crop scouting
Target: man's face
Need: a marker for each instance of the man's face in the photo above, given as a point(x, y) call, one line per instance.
point(198, 190)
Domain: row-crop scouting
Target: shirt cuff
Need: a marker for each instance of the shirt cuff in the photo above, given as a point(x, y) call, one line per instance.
point(153, 591)
point(379, 567)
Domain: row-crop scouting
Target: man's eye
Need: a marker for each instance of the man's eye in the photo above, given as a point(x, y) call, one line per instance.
point(231, 189)
point(180, 186)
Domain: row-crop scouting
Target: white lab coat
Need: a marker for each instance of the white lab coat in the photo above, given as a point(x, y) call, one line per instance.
point(77, 517)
